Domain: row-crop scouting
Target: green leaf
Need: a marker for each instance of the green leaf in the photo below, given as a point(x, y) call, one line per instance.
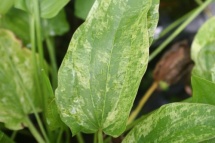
point(48, 8)
point(16, 82)
point(203, 51)
point(82, 8)
point(177, 122)
point(4, 138)
point(5, 6)
point(103, 67)
point(52, 116)
point(18, 21)
point(57, 25)
point(203, 90)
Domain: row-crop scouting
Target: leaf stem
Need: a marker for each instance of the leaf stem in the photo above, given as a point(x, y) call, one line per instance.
point(13, 135)
point(80, 138)
point(179, 29)
point(142, 102)
point(100, 136)
point(174, 24)
point(34, 131)
point(51, 51)
point(36, 75)
point(95, 139)
point(60, 135)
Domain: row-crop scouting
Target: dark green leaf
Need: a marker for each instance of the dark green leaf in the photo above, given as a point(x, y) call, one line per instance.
point(57, 25)
point(82, 8)
point(18, 21)
point(16, 82)
point(175, 123)
point(104, 64)
point(4, 138)
point(5, 6)
point(52, 116)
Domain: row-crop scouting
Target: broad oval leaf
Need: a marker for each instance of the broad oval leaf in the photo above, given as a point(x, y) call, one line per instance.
point(175, 123)
point(104, 64)
point(203, 51)
point(48, 8)
point(16, 82)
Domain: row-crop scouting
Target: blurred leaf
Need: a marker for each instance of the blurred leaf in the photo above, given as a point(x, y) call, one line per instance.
point(49, 8)
point(203, 90)
point(203, 54)
point(177, 122)
point(82, 8)
point(51, 111)
point(5, 6)
point(203, 51)
point(52, 116)
point(103, 67)
point(18, 21)
point(16, 82)
point(57, 25)
point(4, 138)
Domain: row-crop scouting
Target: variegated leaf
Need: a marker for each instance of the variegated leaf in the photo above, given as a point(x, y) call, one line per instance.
point(203, 51)
point(16, 82)
point(175, 123)
point(203, 54)
point(104, 64)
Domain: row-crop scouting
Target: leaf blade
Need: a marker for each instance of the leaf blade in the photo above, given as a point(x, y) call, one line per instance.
point(104, 64)
point(177, 122)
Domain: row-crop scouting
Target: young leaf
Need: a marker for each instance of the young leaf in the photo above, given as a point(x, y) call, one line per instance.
point(203, 51)
point(48, 8)
point(104, 64)
point(82, 8)
point(16, 82)
point(4, 138)
point(177, 122)
point(5, 6)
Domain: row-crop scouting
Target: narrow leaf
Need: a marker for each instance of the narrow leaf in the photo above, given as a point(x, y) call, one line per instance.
point(16, 82)
point(104, 64)
point(177, 122)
